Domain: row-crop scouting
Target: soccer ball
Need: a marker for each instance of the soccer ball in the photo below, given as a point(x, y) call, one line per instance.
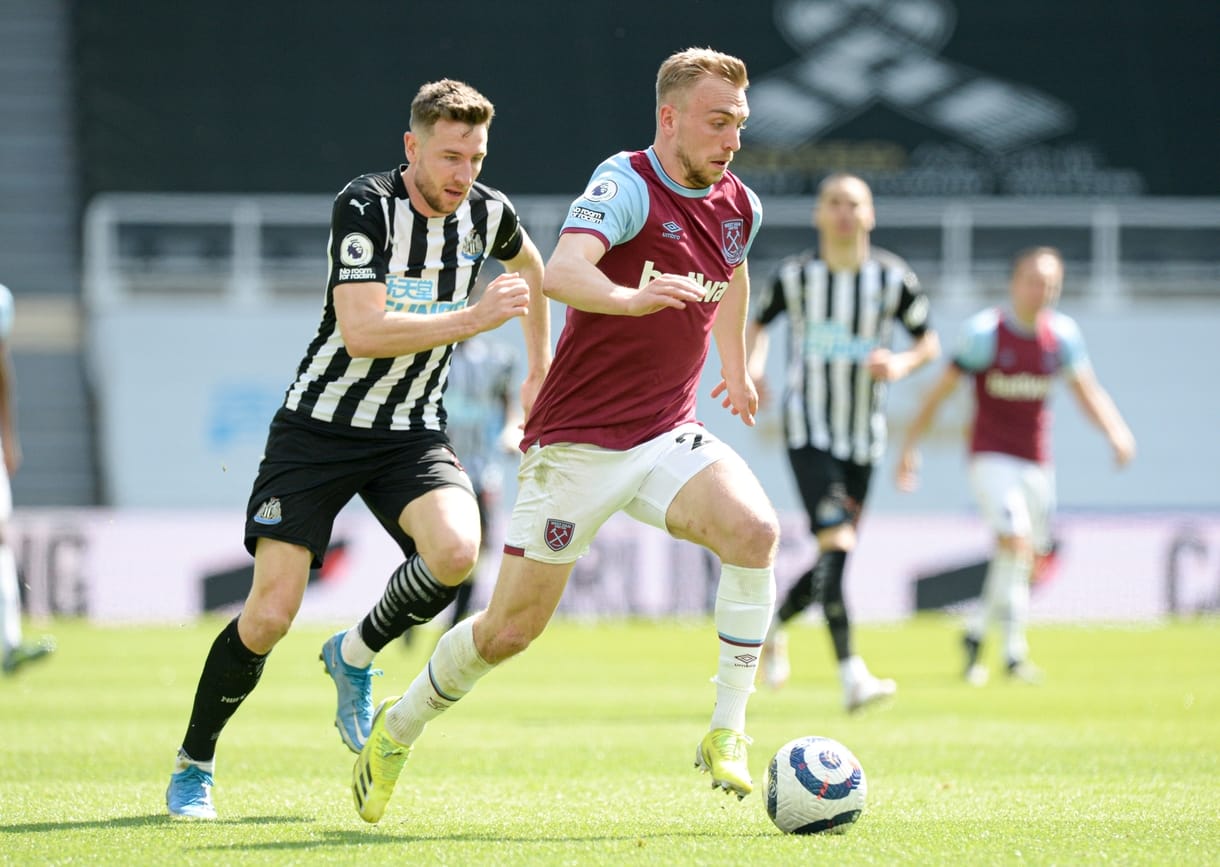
point(815, 784)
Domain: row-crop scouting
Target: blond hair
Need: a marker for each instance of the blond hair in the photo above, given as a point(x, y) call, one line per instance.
point(449, 100)
point(683, 69)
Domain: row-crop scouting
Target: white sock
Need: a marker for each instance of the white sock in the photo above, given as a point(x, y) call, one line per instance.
point(354, 651)
point(183, 761)
point(1016, 648)
point(745, 600)
point(852, 670)
point(10, 598)
point(451, 673)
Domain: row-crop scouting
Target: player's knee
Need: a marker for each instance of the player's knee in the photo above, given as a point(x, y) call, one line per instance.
point(752, 538)
point(262, 628)
point(506, 641)
point(452, 562)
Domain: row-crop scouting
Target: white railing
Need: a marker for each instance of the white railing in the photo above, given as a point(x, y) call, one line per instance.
point(217, 245)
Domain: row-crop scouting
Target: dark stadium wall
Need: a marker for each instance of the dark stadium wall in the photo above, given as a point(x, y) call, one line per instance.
point(935, 97)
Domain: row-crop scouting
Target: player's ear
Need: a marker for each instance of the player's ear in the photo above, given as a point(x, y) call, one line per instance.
point(409, 145)
point(667, 118)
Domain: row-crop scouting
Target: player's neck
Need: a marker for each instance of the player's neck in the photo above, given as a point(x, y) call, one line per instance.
point(847, 255)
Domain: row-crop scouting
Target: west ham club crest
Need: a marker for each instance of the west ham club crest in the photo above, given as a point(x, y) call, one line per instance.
point(733, 241)
point(558, 534)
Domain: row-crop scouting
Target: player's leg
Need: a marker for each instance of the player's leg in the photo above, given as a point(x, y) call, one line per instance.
point(232, 670)
point(15, 652)
point(426, 502)
point(549, 530)
point(996, 482)
point(289, 517)
point(1038, 496)
point(701, 491)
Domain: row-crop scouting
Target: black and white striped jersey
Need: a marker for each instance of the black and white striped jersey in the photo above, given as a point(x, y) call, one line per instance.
point(429, 265)
point(835, 319)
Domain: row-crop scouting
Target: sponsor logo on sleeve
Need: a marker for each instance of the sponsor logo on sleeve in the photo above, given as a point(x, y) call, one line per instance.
point(587, 214)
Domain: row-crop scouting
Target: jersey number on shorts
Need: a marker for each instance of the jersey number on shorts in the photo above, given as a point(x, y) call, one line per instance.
point(696, 440)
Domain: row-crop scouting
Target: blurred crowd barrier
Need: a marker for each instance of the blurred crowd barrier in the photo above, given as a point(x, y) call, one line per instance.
point(120, 566)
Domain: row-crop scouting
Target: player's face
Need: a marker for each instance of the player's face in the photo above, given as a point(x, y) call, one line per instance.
point(845, 210)
point(442, 165)
point(707, 130)
point(1036, 282)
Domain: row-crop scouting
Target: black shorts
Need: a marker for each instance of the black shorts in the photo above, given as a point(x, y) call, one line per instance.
point(833, 490)
point(308, 474)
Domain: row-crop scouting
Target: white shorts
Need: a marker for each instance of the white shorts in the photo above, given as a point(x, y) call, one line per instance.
point(566, 491)
point(1015, 496)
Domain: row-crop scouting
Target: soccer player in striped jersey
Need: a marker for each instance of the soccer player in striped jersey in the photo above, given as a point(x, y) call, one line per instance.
point(843, 303)
point(1013, 357)
point(366, 416)
point(16, 652)
point(651, 262)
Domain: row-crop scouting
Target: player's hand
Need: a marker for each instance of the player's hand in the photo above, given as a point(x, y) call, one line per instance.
point(740, 397)
point(885, 366)
point(506, 297)
point(907, 474)
point(1124, 448)
point(668, 290)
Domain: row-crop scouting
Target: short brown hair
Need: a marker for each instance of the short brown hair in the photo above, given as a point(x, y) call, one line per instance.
point(681, 70)
point(449, 100)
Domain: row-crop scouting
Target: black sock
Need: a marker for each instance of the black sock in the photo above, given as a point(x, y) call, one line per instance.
point(412, 597)
point(800, 596)
point(829, 571)
point(972, 646)
point(230, 673)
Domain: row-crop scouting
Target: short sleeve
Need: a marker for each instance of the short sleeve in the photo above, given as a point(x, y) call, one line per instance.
point(614, 206)
point(974, 349)
point(358, 235)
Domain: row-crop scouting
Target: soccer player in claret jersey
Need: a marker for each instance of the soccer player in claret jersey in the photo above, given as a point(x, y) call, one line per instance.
point(651, 263)
point(17, 653)
point(843, 303)
point(365, 417)
point(1013, 356)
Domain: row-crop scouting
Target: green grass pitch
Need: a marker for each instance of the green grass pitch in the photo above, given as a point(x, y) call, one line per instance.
point(581, 752)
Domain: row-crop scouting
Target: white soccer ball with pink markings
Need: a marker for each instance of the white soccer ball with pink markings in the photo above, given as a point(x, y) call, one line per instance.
point(815, 784)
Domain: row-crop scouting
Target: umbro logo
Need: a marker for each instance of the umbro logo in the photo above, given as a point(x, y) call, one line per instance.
point(672, 230)
point(359, 206)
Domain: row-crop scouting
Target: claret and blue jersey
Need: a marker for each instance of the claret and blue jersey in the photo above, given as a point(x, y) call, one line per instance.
point(617, 381)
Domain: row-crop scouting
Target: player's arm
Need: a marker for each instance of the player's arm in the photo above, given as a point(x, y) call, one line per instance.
point(1097, 404)
point(573, 278)
point(536, 323)
point(889, 366)
point(371, 331)
point(729, 330)
point(907, 473)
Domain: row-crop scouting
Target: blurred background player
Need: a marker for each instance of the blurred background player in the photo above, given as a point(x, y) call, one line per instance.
point(16, 652)
point(842, 301)
point(1013, 357)
point(482, 421)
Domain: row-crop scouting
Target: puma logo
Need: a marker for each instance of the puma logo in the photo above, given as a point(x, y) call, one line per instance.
point(359, 206)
